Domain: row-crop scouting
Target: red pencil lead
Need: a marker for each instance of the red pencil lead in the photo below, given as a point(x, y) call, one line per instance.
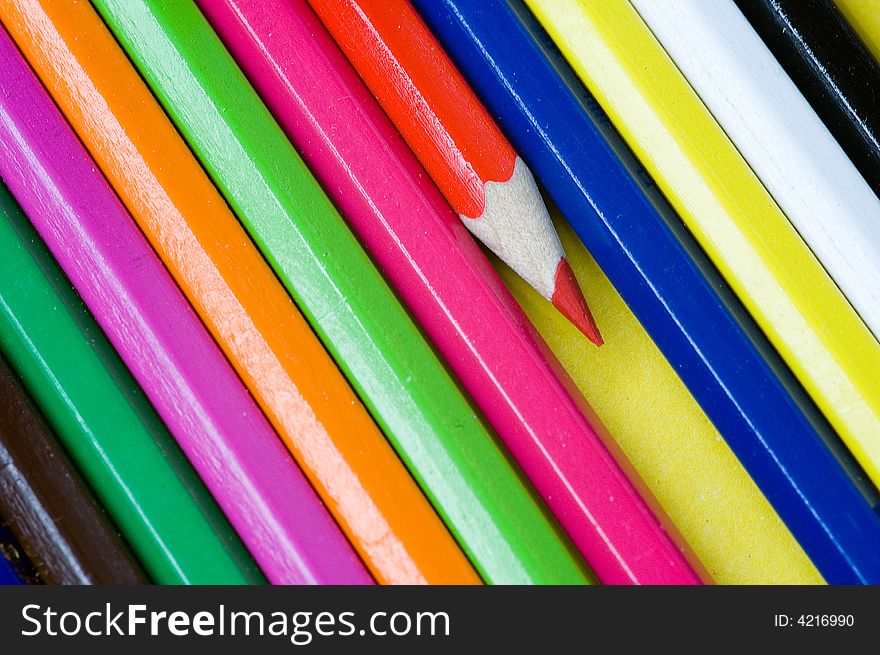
point(569, 300)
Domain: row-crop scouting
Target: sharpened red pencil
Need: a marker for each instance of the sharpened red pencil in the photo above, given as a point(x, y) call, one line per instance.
point(459, 144)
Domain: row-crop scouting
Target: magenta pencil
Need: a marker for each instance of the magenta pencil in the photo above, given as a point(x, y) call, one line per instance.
point(449, 285)
point(219, 427)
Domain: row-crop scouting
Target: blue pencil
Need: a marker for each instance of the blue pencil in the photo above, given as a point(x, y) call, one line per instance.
point(7, 573)
point(742, 385)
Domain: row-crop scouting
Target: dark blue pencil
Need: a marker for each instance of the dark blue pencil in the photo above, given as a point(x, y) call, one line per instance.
point(15, 567)
point(742, 385)
point(7, 573)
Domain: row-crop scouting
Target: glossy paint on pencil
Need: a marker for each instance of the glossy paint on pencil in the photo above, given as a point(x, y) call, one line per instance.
point(724, 205)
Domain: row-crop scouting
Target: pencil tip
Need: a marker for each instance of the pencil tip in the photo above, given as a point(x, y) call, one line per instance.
point(569, 300)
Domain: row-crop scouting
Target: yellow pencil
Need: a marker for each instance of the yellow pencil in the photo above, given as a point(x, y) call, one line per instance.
point(688, 467)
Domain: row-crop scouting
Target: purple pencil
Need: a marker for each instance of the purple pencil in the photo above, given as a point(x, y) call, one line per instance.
point(219, 427)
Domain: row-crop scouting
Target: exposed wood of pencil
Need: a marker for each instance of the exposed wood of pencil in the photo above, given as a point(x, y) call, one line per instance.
point(444, 278)
point(680, 455)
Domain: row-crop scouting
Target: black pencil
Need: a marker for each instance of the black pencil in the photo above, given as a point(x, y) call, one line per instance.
point(831, 66)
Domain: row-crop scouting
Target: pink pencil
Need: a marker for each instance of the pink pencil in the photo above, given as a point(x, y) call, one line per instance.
point(449, 285)
point(219, 427)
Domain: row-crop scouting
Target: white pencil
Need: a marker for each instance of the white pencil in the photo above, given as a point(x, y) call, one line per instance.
point(781, 138)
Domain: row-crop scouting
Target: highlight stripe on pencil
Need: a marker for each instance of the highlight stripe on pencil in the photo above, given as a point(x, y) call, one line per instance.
point(779, 134)
point(831, 67)
point(677, 451)
point(46, 504)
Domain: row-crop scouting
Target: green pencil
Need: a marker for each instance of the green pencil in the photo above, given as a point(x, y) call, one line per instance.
point(105, 422)
point(482, 498)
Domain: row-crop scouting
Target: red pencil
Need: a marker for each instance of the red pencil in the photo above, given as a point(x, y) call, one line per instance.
point(459, 144)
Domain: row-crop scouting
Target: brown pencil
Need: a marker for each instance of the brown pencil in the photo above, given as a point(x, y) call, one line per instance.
point(47, 507)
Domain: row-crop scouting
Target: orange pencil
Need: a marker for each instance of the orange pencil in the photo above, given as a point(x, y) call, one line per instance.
point(459, 144)
point(323, 424)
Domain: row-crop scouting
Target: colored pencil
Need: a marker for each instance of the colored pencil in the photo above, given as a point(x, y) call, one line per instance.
point(104, 421)
point(444, 278)
point(12, 553)
point(344, 454)
point(48, 507)
point(710, 498)
point(666, 280)
point(241, 460)
point(727, 209)
point(785, 143)
point(423, 413)
point(12, 561)
point(864, 17)
point(457, 142)
point(831, 67)
point(8, 575)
